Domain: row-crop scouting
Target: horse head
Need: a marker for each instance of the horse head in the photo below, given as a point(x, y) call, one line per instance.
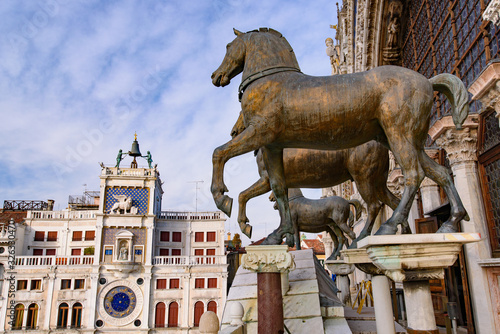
point(253, 52)
point(233, 62)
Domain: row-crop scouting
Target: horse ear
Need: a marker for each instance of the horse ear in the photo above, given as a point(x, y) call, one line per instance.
point(237, 32)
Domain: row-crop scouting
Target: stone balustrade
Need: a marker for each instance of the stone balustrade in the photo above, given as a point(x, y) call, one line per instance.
point(62, 214)
point(46, 261)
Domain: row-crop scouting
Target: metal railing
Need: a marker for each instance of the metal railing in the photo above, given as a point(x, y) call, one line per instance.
point(44, 261)
point(183, 215)
point(189, 260)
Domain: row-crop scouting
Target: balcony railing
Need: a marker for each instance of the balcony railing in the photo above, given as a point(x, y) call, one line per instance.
point(44, 261)
point(129, 171)
point(63, 214)
point(189, 260)
point(173, 215)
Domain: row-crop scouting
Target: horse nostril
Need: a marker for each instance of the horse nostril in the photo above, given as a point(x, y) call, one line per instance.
point(213, 75)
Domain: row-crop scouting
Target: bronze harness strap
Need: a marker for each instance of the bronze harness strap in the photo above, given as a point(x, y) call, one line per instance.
point(264, 73)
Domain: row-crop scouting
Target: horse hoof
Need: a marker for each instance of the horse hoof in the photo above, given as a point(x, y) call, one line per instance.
point(225, 204)
point(333, 257)
point(290, 239)
point(386, 230)
point(447, 228)
point(353, 245)
point(246, 229)
point(271, 240)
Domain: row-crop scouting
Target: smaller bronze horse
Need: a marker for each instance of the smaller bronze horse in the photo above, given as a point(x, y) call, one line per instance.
point(331, 214)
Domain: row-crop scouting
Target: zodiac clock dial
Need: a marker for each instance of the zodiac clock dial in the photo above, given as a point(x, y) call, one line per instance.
point(120, 302)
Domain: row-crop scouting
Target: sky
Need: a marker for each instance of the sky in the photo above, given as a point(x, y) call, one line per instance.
point(80, 77)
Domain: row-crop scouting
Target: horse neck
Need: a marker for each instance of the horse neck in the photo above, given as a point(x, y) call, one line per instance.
point(266, 50)
point(294, 193)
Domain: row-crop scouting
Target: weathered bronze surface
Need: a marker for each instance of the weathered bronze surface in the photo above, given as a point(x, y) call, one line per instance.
point(331, 214)
point(288, 109)
point(367, 165)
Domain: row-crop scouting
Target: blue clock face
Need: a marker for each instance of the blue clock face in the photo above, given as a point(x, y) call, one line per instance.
point(120, 302)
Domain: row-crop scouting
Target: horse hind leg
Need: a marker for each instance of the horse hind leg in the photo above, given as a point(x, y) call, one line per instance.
point(335, 251)
point(440, 175)
point(274, 165)
point(406, 155)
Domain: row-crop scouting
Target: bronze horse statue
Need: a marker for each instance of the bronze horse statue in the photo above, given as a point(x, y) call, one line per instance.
point(367, 165)
point(331, 214)
point(284, 108)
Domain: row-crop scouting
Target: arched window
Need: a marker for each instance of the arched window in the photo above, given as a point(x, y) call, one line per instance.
point(160, 315)
point(198, 311)
point(76, 316)
point(62, 316)
point(32, 316)
point(18, 316)
point(212, 306)
point(173, 315)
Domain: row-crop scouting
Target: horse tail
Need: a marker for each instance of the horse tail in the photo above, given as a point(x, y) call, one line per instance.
point(350, 221)
point(357, 207)
point(454, 89)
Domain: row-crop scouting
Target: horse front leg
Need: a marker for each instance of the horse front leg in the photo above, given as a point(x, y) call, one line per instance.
point(245, 142)
point(258, 188)
point(273, 159)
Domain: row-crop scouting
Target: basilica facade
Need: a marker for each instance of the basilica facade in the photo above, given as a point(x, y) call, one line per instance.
point(433, 37)
point(117, 263)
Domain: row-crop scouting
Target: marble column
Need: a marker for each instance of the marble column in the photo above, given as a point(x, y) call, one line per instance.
point(382, 304)
point(414, 259)
point(269, 262)
point(460, 146)
point(342, 270)
point(92, 297)
point(50, 297)
point(147, 298)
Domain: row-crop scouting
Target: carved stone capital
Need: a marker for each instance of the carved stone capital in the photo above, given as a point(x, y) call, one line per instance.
point(460, 145)
point(268, 259)
point(492, 12)
point(412, 257)
point(339, 267)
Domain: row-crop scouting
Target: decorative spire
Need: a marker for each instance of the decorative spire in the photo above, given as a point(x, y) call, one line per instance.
point(135, 136)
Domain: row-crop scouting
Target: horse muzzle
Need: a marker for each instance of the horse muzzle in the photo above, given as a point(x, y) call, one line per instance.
point(219, 79)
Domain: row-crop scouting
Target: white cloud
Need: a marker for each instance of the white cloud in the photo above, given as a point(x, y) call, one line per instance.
point(67, 68)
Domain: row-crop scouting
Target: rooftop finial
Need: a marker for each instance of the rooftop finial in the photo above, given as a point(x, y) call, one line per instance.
point(135, 135)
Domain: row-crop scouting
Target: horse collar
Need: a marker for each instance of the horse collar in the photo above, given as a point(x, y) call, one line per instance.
point(264, 73)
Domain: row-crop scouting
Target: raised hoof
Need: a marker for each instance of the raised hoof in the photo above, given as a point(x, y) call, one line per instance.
point(246, 229)
point(386, 230)
point(225, 204)
point(447, 228)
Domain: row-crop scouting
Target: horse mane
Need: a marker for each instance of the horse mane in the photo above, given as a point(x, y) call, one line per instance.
point(279, 35)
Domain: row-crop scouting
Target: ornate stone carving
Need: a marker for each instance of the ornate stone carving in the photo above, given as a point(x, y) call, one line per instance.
point(460, 145)
point(392, 50)
point(413, 257)
point(339, 267)
point(268, 259)
point(492, 12)
point(486, 88)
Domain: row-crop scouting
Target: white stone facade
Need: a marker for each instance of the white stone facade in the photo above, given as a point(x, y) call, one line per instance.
point(145, 269)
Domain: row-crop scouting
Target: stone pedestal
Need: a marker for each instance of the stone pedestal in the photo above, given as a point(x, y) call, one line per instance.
point(380, 285)
point(269, 262)
point(342, 269)
point(414, 260)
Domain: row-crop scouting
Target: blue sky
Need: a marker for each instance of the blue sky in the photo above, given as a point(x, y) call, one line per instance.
point(79, 77)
